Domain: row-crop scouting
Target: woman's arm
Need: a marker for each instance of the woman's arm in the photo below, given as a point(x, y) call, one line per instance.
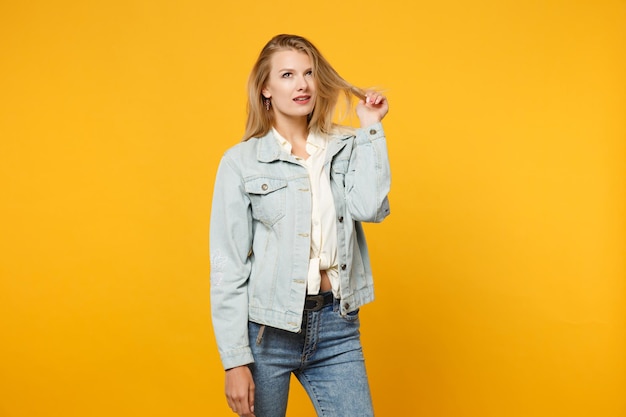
point(368, 179)
point(230, 241)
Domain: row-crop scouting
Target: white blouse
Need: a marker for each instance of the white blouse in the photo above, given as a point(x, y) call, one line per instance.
point(323, 255)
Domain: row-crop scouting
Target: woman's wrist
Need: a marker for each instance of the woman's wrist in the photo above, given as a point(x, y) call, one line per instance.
point(365, 122)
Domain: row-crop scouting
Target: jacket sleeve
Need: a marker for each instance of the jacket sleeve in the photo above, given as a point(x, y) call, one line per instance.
point(230, 243)
point(368, 179)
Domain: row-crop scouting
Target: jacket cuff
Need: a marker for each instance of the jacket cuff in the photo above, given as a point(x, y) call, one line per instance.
point(369, 133)
point(237, 357)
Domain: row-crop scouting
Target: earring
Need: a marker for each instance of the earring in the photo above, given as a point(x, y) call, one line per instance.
point(268, 103)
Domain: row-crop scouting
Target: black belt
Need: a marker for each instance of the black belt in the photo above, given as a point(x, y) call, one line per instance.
point(316, 302)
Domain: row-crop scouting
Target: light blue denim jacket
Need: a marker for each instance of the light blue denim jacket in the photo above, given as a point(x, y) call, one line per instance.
point(260, 226)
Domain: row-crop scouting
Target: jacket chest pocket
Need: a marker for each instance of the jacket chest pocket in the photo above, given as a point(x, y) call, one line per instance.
point(268, 197)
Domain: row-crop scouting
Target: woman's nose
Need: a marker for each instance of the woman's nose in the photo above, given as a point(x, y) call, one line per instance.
point(303, 84)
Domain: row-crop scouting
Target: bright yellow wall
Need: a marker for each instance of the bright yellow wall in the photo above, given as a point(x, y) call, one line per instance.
point(500, 274)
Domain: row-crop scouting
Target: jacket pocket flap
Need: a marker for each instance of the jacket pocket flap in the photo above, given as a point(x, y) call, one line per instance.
point(264, 185)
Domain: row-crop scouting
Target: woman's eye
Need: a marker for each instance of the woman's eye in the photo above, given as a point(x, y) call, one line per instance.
point(286, 75)
point(309, 73)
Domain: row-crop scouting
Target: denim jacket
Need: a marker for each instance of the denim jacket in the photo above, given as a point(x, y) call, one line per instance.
point(260, 226)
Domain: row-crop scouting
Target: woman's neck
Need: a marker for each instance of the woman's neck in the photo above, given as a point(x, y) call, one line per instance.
point(294, 131)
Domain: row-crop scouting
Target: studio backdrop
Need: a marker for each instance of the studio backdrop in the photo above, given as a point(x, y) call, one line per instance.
point(499, 274)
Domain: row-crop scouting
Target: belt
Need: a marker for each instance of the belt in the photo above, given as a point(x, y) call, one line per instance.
point(316, 302)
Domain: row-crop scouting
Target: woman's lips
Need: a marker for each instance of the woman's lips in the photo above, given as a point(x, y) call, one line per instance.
point(302, 99)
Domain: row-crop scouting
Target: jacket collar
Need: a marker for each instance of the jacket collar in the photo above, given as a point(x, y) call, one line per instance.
point(269, 150)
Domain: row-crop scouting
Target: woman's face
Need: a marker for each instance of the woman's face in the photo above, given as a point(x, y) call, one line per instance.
point(291, 85)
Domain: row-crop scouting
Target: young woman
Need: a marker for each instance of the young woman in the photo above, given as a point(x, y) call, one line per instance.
point(289, 263)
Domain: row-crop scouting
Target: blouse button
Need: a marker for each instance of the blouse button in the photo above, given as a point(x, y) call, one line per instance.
point(264, 187)
point(372, 131)
point(340, 219)
point(343, 267)
point(346, 306)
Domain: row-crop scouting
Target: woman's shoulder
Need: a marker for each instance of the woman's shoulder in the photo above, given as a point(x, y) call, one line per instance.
point(247, 148)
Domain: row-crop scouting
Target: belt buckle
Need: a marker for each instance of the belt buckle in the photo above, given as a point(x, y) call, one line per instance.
point(319, 302)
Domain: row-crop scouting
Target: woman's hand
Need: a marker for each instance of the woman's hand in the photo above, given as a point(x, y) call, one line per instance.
point(240, 391)
point(372, 109)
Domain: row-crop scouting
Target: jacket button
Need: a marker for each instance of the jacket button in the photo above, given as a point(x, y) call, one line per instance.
point(264, 187)
point(340, 219)
point(372, 131)
point(343, 267)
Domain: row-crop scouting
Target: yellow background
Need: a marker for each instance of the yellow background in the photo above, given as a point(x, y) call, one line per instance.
point(500, 273)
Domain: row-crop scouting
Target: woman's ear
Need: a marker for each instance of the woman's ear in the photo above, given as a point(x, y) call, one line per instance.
point(266, 93)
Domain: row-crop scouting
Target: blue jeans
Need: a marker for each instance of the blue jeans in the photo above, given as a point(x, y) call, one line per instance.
point(326, 357)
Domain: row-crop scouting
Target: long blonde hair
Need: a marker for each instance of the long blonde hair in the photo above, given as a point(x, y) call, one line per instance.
point(329, 85)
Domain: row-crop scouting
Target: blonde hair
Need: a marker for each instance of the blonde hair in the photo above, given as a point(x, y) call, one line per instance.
point(329, 85)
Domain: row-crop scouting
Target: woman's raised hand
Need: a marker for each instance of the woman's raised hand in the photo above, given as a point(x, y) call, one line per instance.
point(372, 109)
